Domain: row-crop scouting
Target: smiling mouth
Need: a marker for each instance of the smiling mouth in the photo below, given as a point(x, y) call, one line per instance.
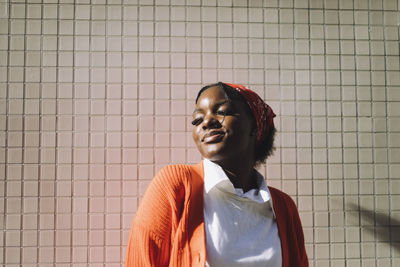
point(213, 137)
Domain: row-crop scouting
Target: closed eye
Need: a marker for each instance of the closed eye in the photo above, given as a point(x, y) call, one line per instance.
point(226, 112)
point(197, 121)
point(221, 112)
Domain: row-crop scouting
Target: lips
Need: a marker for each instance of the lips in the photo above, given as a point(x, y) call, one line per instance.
point(213, 136)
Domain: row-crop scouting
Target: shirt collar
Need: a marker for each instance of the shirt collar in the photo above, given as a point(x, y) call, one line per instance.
point(214, 176)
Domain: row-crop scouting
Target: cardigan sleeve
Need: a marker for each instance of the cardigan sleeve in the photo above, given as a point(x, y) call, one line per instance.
point(303, 259)
point(155, 220)
point(146, 249)
point(290, 230)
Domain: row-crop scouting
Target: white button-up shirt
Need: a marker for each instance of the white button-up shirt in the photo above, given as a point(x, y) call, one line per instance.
point(240, 228)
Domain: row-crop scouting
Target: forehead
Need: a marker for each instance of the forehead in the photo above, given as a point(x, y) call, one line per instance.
point(215, 96)
point(212, 94)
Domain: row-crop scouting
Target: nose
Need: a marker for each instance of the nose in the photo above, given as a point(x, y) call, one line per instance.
point(211, 121)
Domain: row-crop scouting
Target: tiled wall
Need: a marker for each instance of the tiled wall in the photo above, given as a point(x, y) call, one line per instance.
point(96, 96)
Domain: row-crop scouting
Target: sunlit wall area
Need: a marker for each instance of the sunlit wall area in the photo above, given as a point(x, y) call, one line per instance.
point(96, 96)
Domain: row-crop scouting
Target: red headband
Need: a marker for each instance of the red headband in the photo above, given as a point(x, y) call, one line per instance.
point(263, 113)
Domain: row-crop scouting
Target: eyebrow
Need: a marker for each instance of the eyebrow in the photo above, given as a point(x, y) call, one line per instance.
point(218, 104)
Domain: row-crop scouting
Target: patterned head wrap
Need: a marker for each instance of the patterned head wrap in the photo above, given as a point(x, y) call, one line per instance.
point(262, 112)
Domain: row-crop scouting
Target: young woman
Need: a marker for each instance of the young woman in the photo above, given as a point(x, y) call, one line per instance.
point(220, 212)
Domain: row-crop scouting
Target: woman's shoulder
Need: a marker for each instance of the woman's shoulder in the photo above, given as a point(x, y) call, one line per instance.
point(281, 198)
point(175, 169)
point(277, 192)
point(177, 174)
point(168, 187)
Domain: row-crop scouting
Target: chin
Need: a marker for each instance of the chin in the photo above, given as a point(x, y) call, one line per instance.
point(213, 152)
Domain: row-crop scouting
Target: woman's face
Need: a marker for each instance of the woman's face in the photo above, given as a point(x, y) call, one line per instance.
point(222, 127)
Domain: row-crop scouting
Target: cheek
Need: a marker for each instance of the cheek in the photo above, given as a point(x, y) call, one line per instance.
point(235, 126)
point(239, 129)
point(196, 134)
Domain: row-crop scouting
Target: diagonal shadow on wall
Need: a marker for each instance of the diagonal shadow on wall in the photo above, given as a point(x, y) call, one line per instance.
point(386, 229)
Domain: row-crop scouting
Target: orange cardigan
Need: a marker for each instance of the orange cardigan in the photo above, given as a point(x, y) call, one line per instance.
point(168, 228)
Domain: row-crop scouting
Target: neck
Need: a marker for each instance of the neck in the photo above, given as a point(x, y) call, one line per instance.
point(241, 175)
